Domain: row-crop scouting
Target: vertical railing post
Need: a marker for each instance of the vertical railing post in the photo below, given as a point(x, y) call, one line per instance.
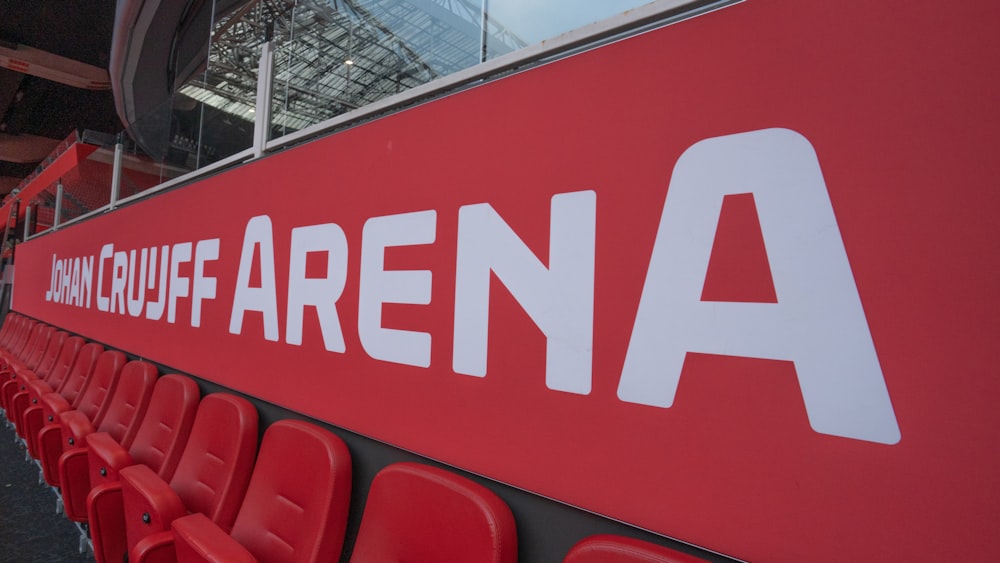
point(59, 197)
point(262, 109)
point(484, 35)
point(27, 222)
point(116, 174)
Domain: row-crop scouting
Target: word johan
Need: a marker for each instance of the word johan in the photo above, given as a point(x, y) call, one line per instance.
point(817, 322)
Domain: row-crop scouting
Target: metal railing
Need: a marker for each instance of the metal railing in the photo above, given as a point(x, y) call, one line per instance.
point(184, 158)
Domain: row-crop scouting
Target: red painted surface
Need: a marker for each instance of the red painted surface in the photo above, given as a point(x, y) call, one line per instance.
point(63, 164)
point(899, 101)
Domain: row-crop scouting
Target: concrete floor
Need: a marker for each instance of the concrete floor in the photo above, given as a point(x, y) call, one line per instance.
point(30, 529)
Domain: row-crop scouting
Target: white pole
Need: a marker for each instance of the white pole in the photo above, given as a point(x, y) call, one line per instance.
point(116, 175)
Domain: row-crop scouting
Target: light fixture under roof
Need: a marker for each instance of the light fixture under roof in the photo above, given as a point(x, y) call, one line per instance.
point(349, 62)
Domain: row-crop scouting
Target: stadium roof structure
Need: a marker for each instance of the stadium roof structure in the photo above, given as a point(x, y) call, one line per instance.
point(53, 79)
point(337, 55)
point(185, 74)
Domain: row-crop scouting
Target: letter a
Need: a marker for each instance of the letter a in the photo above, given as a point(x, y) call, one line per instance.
point(264, 298)
point(818, 321)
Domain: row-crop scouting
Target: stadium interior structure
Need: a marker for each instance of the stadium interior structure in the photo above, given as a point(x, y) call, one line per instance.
point(201, 86)
point(404, 280)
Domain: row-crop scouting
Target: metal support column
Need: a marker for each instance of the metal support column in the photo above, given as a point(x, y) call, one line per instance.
point(262, 111)
point(59, 197)
point(116, 175)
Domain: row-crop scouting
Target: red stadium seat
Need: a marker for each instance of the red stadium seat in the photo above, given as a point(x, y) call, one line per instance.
point(91, 405)
point(45, 367)
point(16, 332)
point(295, 508)
point(69, 387)
point(19, 381)
point(16, 335)
point(420, 513)
point(161, 438)
point(211, 476)
point(16, 367)
point(18, 338)
point(120, 421)
point(22, 347)
point(51, 354)
point(620, 549)
point(32, 354)
point(10, 323)
point(158, 444)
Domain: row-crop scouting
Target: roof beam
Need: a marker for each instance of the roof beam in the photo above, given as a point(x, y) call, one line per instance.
point(25, 148)
point(50, 66)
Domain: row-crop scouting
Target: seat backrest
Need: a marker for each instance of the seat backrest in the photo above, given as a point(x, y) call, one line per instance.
point(10, 323)
point(25, 338)
point(620, 549)
point(23, 330)
point(51, 353)
point(417, 512)
point(94, 397)
point(296, 506)
point(78, 376)
point(214, 470)
point(64, 363)
point(18, 326)
point(128, 403)
point(34, 356)
point(167, 425)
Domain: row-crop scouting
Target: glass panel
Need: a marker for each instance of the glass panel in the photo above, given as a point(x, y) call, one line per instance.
point(45, 208)
point(333, 56)
point(214, 108)
point(531, 21)
point(158, 150)
point(87, 186)
point(210, 116)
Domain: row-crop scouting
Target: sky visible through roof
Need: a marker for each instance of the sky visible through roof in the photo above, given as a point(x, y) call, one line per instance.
point(534, 21)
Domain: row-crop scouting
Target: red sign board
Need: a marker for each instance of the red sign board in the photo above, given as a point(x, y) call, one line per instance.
point(734, 280)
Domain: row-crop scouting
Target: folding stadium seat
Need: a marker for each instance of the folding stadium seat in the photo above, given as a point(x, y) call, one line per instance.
point(21, 338)
point(211, 478)
point(50, 355)
point(75, 383)
point(16, 389)
point(36, 353)
point(157, 443)
point(8, 333)
point(5, 326)
point(29, 359)
point(10, 324)
point(43, 422)
point(18, 339)
point(43, 408)
point(295, 508)
point(69, 387)
point(20, 343)
point(17, 320)
point(120, 413)
point(64, 452)
point(32, 352)
point(420, 513)
point(620, 549)
point(49, 358)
